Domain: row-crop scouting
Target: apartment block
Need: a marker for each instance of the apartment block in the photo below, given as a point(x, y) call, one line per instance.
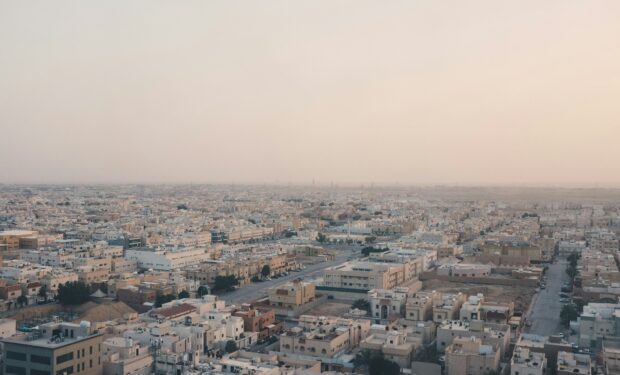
point(54, 348)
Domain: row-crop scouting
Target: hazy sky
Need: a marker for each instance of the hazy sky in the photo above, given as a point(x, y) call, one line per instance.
point(414, 92)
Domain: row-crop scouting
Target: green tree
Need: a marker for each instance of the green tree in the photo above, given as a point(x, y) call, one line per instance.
point(370, 239)
point(43, 291)
point(183, 294)
point(160, 299)
point(231, 346)
point(266, 271)
point(73, 293)
point(380, 366)
point(321, 238)
point(202, 291)
point(370, 249)
point(22, 300)
point(225, 282)
point(568, 314)
point(361, 304)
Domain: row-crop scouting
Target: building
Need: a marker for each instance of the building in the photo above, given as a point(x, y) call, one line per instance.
point(123, 356)
point(469, 356)
point(387, 303)
point(18, 239)
point(598, 321)
point(525, 362)
point(167, 259)
point(571, 363)
point(323, 336)
point(367, 275)
point(490, 333)
point(514, 248)
point(392, 344)
point(292, 295)
point(464, 270)
point(54, 348)
point(611, 357)
point(260, 320)
point(419, 306)
point(447, 306)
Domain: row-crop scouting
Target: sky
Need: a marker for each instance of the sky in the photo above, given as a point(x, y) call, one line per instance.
point(522, 92)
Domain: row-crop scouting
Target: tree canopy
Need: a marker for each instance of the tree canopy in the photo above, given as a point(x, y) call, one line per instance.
point(266, 271)
point(225, 282)
point(73, 293)
point(183, 294)
point(231, 346)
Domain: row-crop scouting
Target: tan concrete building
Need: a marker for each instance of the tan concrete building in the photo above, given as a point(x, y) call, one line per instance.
point(324, 336)
point(525, 362)
point(123, 356)
point(419, 306)
point(571, 363)
point(292, 295)
point(469, 356)
point(55, 348)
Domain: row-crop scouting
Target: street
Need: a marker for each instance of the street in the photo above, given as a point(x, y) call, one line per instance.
point(545, 314)
point(258, 290)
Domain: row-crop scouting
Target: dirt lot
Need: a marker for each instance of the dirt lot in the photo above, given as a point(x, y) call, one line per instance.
point(94, 312)
point(520, 295)
point(330, 308)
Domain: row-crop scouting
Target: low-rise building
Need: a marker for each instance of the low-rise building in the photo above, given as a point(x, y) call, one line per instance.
point(525, 362)
point(572, 363)
point(54, 348)
point(469, 356)
point(292, 295)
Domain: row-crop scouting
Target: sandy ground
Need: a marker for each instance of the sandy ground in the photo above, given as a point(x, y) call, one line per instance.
point(520, 295)
point(93, 312)
point(330, 308)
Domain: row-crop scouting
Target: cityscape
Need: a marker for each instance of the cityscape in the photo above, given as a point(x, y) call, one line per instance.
point(306, 187)
point(195, 279)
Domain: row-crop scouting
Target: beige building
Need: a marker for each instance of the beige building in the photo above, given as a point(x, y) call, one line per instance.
point(393, 344)
point(524, 362)
point(571, 363)
point(324, 336)
point(419, 306)
point(55, 348)
point(18, 239)
point(516, 248)
point(123, 356)
point(469, 356)
point(490, 333)
point(447, 306)
point(292, 295)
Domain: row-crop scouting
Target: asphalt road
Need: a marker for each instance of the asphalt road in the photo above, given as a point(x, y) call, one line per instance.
point(545, 315)
point(258, 290)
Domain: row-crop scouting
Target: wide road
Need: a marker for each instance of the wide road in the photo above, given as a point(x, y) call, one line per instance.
point(258, 290)
point(545, 315)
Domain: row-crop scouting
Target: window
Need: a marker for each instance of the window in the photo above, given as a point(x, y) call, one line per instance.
point(40, 359)
point(15, 370)
point(91, 349)
point(34, 371)
point(65, 371)
point(91, 363)
point(64, 358)
point(16, 356)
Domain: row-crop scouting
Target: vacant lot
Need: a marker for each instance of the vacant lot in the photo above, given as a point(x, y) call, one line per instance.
point(520, 295)
point(330, 308)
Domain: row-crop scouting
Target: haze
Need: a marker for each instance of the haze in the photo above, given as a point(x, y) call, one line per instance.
point(409, 92)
